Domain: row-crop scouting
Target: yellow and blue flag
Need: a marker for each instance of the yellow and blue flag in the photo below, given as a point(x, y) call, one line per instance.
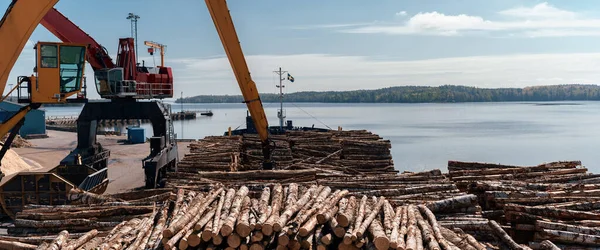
point(290, 77)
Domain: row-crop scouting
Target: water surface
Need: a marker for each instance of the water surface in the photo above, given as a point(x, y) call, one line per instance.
point(426, 136)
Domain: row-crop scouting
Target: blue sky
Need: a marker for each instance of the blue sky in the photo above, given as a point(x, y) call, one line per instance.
point(351, 44)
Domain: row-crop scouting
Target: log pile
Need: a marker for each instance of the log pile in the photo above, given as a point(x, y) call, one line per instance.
point(557, 201)
point(213, 153)
point(87, 212)
point(252, 151)
point(347, 151)
point(279, 217)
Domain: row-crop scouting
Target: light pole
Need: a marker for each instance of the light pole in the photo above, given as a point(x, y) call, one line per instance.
point(182, 115)
point(134, 18)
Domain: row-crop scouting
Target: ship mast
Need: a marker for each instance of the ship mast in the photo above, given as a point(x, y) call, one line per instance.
point(280, 113)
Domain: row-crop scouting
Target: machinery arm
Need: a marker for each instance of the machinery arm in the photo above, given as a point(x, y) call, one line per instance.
point(68, 32)
point(159, 46)
point(17, 25)
point(224, 25)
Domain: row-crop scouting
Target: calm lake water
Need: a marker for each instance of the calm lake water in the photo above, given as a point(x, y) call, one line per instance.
point(426, 136)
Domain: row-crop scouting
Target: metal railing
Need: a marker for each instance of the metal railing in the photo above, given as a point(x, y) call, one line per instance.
point(93, 180)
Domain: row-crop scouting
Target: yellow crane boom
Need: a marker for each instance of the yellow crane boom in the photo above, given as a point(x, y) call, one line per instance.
point(16, 26)
point(59, 66)
point(224, 25)
point(159, 46)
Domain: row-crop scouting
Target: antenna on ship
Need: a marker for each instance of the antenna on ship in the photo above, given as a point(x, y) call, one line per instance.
point(280, 113)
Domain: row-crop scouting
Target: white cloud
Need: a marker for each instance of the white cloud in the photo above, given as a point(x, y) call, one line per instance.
point(401, 13)
point(542, 10)
point(320, 72)
point(541, 20)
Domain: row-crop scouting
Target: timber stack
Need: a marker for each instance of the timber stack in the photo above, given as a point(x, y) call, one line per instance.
point(557, 201)
point(280, 217)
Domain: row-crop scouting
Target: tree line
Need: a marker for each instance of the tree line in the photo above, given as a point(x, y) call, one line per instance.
point(420, 94)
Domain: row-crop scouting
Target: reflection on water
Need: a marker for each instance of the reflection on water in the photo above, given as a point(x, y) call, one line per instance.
point(426, 136)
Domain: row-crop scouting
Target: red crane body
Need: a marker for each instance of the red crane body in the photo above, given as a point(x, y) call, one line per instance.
point(123, 79)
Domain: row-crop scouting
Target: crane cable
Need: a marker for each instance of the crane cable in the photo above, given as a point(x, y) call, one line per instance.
point(311, 116)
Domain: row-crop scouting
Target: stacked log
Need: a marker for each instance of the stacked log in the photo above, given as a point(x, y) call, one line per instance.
point(294, 216)
point(349, 152)
point(279, 216)
point(101, 213)
point(556, 201)
point(213, 153)
point(252, 151)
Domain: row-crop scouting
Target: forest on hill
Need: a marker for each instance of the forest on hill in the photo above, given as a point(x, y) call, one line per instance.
point(420, 94)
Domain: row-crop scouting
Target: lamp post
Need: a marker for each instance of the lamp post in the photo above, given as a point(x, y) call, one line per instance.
point(134, 18)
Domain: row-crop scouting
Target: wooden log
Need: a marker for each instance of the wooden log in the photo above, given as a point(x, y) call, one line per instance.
point(15, 245)
point(394, 235)
point(388, 219)
point(228, 202)
point(242, 227)
point(217, 216)
point(229, 224)
point(307, 242)
point(196, 238)
point(419, 238)
point(469, 238)
point(178, 202)
point(292, 196)
point(93, 243)
point(453, 203)
point(360, 215)
point(411, 240)
point(206, 233)
point(184, 242)
point(63, 223)
point(504, 237)
point(198, 208)
point(380, 239)
point(327, 239)
point(217, 239)
point(276, 202)
point(327, 215)
point(376, 209)
point(563, 214)
point(307, 211)
point(60, 240)
point(86, 214)
point(263, 204)
point(457, 240)
point(322, 208)
point(540, 224)
point(342, 204)
point(144, 230)
point(293, 208)
point(78, 196)
point(434, 226)
point(467, 225)
point(548, 245)
point(568, 237)
point(328, 211)
point(336, 228)
point(74, 244)
point(234, 240)
point(428, 236)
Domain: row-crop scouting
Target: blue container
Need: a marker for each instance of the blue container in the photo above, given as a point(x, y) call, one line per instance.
point(135, 135)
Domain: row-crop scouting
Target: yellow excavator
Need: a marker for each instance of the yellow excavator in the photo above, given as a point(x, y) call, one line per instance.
point(59, 69)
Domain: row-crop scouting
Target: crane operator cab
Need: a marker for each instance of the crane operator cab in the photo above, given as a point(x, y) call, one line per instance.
point(58, 74)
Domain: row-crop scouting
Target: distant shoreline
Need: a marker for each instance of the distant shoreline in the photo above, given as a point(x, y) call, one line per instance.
point(420, 94)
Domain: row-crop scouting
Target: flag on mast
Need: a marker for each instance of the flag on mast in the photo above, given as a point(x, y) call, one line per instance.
point(290, 77)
